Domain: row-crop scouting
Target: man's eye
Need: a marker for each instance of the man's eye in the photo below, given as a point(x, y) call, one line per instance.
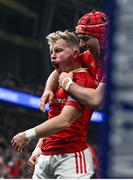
point(59, 49)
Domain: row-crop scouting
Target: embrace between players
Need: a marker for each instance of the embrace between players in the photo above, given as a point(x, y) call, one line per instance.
point(74, 89)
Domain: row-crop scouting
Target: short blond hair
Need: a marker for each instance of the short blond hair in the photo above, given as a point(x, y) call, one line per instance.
point(66, 35)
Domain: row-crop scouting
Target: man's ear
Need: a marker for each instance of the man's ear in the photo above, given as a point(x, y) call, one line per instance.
point(75, 53)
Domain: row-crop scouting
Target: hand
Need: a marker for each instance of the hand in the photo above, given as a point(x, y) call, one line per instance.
point(63, 76)
point(47, 96)
point(19, 142)
point(34, 157)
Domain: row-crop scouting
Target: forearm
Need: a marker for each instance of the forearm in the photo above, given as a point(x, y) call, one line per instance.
point(50, 127)
point(39, 143)
point(52, 81)
point(56, 124)
point(88, 96)
point(37, 149)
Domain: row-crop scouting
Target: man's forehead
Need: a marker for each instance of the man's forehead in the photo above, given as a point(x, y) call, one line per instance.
point(58, 43)
point(82, 34)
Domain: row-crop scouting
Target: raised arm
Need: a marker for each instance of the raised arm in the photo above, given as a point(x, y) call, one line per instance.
point(50, 87)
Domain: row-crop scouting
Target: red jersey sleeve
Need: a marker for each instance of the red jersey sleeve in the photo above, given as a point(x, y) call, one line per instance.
point(97, 72)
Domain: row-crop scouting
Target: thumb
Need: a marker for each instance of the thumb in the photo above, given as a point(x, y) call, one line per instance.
point(71, 75)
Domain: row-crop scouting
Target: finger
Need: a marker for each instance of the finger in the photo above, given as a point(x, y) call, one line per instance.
point(31, 164)
point(20, 149)
point(42, 107)
point(17, 147)
point(71, 74)
point(31, 167)
point(44, 99)
point(13, 139)
point(51, 97)
point(42, 104)
point(13, 143)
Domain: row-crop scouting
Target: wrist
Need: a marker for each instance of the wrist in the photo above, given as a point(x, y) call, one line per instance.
point(48, 89)
point(30, 134)
point(66, 83)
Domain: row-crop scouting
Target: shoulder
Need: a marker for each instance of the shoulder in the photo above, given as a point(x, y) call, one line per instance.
point(88, 60)
point(86, 54)
point(84, 79)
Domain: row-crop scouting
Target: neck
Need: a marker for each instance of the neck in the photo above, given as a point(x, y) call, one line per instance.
point(74, 64)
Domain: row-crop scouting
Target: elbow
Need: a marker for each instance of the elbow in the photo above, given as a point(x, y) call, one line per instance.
point(96, 102)
point(92, 102)
point(67, 120)
point(65, 124)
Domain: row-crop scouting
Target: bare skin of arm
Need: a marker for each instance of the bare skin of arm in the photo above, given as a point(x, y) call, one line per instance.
point(35, 155)
point(48, 94)
point(87, 96)
point(56, 124)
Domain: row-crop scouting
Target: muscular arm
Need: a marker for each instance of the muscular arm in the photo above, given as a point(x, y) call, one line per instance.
point(52, 81)
point(56, 124)
point(88, 96)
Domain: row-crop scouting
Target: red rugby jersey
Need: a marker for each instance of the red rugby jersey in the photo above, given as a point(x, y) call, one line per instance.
point(96, 71)
point(73, 138)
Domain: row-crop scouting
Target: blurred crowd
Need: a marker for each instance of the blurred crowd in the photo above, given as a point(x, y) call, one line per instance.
point(13, 165)
point(28, 84)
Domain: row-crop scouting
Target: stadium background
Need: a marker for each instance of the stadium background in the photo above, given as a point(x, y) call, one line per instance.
point(25, 66)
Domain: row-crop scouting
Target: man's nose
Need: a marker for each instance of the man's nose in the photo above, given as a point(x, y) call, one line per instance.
point(53, 55)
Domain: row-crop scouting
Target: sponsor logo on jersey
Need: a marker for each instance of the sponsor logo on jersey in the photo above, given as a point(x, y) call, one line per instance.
point(59, 101)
